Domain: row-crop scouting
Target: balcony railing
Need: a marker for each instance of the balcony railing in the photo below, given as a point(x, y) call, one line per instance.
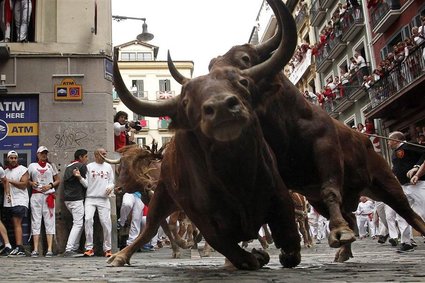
point(163, 123)
point(402, 75)
point(336, 45)
point(383, 16)
point(140, 94)
point(351, 23)
point(165, 94)
point(317, 13)
point(301, 18)
point(322, 60)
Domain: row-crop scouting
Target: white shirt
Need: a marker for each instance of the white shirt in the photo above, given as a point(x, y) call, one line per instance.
point(17, 196)
point(42, 175)
point(100, 177)
point(360, 61)
point(118, 128)
point(365, 208)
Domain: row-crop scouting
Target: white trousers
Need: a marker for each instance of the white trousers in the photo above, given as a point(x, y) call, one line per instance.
point(39, 211)
point(103, 207)
point(76, 208)
point(364, 222)
point(22, 14)
point(133, 204)
point(403, 226)
point(382, 219)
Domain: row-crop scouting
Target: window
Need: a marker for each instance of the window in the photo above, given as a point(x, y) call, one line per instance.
point(128, 56)
point(144, 56)
point(141, 141)
point(137, 88)
point(138, 117)
point(165, 140)
point(164, 85)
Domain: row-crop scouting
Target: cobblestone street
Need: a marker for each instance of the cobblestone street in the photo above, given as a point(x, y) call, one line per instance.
point(371, 263)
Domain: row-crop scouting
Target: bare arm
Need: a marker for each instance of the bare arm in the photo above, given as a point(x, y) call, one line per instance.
point(22, 184)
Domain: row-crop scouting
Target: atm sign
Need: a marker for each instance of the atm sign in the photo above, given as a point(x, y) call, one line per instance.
point(22, 129)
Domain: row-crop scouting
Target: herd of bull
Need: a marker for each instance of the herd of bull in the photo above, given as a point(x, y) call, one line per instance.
point(244, 136)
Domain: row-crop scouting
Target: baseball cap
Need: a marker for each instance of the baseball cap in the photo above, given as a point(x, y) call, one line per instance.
point(12, 152)
point(42, 148)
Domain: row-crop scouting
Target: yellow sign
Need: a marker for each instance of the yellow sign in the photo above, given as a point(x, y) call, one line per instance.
point(22, 129)
point(68, 90)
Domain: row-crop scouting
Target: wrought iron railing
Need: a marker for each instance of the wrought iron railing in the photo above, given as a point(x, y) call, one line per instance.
point(351, 17)
point(378, 13)
point(400, 76)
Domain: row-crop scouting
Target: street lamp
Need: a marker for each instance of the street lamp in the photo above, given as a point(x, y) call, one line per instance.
point(145, 35)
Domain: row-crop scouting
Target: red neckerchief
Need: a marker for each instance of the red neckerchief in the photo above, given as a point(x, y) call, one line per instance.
point(42, 163)
point(10, 167)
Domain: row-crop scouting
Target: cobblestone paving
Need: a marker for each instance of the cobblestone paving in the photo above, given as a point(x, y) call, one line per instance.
point(371, 263)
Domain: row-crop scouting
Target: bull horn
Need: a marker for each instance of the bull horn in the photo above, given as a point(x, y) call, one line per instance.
point(288, 43)
point(166, 107)
point(111, 161)
point(174, 72)
point(265, 49)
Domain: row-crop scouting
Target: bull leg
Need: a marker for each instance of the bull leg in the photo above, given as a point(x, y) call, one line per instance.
point(161, 205)
point(285, 231)
point(303, 231)
point(267, 234)
point(172, 223)
point(387, 189)
point(263, 242)
point(307, 228)
point(331, 176)
point(206, 250)
point(344, 253)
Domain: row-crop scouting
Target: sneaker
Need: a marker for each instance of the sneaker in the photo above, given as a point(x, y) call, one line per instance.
point(147, 248)
point(49, 254)
point(405, 248)
point(5, 251)
point(108, 253)
point(89, 253)
point(413, 243)
point(393, 242)
point(18, 251)
point(35, 254)
point(383, 239)
point(72, 254)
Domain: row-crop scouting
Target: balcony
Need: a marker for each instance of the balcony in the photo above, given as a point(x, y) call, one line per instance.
point(322, 59)
point(336, 46)
point(163, 123)
point(317, 13)
point(165, 94)
point(301, 18)
point(399, 81)
point(327, 3)
point(384, 15)
point(140, 94)
point(351, 24)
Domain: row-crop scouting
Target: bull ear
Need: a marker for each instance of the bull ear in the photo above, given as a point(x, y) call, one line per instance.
point(174, 72)
point(166, 107)
point(287, 45)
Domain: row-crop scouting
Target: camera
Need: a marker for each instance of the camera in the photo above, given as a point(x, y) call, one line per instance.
point(134, 125)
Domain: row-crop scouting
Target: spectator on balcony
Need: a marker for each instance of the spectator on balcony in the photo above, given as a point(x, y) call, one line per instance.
point(417, 37)
point(342, 9)
point(353, 67)
point(361, 128)
point(361, 63)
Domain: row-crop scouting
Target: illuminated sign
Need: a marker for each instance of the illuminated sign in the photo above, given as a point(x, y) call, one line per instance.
point(68, 90)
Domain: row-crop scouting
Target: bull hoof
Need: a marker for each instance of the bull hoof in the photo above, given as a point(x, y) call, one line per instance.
point(340, 237)
point(204, 253)
point(290, 260)
point(343, 254)
point(262, 257)
point(118, 260)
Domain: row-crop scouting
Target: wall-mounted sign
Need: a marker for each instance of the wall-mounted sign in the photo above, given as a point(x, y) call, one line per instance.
point(68, 90)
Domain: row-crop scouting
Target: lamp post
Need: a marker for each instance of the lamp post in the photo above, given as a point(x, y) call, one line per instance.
point(145, 35)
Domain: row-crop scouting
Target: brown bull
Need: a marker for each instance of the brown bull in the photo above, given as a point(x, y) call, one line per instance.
point(318, 156)
point(215, 130)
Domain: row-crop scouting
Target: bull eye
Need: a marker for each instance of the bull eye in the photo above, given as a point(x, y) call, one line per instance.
point(208, 110)
point(244, 82)
point(185, 101)
point(245, 58)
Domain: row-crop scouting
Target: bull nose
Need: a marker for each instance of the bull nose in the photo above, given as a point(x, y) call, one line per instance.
point(230, 104)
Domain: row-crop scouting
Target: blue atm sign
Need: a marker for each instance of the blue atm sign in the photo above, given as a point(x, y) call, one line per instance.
point(18, 123)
